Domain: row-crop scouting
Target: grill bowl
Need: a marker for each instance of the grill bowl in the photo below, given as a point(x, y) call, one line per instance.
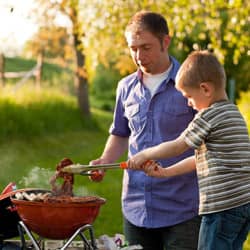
point(57, 220)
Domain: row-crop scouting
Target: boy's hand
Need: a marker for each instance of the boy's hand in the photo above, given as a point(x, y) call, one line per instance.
point(154, 169)
point(136, 162)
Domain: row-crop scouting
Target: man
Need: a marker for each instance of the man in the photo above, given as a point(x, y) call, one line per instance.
point(158, 213)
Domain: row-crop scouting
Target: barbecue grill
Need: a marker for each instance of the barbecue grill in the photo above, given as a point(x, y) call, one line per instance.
point(8, 217)
point(59, 218)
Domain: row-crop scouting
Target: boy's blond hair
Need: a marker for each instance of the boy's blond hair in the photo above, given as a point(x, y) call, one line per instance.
point(199, 67)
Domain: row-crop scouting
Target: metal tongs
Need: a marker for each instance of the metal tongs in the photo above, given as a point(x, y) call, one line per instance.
point(85, 169)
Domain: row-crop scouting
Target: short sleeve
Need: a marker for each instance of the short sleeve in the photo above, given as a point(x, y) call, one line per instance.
point(196, 132)
point(119, 125)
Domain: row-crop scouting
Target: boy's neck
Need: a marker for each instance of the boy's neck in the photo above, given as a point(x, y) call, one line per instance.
point(218, 97)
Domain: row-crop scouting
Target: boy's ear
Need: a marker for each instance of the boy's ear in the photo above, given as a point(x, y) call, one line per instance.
point(206, 88)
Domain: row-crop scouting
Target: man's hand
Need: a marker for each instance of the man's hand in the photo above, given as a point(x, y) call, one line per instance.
point(96, 175)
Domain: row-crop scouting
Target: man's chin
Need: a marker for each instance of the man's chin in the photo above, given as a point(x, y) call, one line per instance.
point(146, 70)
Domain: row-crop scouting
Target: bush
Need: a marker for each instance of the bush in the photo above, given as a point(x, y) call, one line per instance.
point(31, 112)
point(103, 87)
point(244, 107)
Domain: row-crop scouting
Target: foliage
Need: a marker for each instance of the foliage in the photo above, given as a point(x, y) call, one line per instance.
point(103, 87)
point(244, 107)
point(54, 42)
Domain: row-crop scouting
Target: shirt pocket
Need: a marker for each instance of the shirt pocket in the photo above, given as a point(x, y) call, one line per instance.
point(177, 109)
point(173, 117)
point(132, 113)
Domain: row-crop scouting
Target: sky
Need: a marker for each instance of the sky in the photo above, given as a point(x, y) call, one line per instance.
point(16, 27)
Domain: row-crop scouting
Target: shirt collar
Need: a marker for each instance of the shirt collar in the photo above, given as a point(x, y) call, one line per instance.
point(172, 73)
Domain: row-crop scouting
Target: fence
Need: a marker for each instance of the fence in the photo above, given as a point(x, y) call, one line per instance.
point(35, 72)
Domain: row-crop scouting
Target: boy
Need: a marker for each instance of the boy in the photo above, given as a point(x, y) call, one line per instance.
point(219, 136)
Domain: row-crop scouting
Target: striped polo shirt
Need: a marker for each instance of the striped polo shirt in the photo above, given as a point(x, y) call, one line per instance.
point(222, 150)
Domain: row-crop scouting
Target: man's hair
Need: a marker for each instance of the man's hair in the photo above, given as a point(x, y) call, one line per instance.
point(148, 21)
point(201, 66)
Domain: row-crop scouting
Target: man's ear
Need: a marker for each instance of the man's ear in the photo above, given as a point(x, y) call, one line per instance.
point(166, 42)
point(206, 88)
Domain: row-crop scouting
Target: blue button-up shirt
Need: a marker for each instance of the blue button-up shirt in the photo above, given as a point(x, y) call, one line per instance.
point(147, 121)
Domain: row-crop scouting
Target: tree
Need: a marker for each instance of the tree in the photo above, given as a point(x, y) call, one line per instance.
point(46, 14)
point(53, 42)
point(71, 8)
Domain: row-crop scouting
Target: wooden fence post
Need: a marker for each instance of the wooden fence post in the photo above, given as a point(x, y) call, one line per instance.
point(39, 70)
point(2, 69)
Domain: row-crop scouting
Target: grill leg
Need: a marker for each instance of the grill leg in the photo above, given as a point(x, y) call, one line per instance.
point(21, 227)
point(21, 234)
point(92, 238)
point(87, 245)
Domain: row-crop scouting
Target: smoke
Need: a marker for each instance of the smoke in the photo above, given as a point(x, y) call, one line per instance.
point(40, 178)
point(37, 178)
point(82, 191)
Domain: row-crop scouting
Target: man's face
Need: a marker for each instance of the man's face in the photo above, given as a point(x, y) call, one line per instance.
point(148, 53)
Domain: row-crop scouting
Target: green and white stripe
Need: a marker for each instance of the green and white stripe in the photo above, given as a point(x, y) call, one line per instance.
point(222, 148)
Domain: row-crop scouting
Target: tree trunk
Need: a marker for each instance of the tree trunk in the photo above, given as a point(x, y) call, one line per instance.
point(81, 81)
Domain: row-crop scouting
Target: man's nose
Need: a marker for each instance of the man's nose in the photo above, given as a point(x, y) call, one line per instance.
point(139, 55)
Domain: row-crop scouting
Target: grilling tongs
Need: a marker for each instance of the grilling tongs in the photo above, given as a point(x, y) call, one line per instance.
point(84, 169)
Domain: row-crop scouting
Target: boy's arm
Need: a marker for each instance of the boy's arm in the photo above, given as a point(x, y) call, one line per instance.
point(182, 167)
point(161, 151)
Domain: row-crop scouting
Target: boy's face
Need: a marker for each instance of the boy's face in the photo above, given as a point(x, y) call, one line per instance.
point(148, 53)
point(196, 97)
